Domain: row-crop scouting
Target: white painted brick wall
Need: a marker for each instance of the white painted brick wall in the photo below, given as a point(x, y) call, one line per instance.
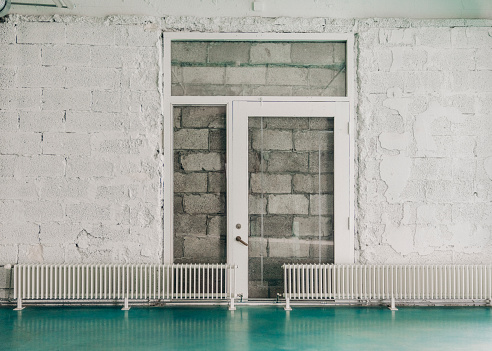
point(71, 91)
point(80, 128)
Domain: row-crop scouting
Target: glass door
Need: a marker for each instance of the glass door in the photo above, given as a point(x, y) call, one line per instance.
point(282, 188)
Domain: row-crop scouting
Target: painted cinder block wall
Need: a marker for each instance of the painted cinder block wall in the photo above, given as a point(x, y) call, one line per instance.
point(80, 136)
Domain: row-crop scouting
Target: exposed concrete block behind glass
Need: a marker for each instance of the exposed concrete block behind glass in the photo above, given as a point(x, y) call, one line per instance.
point(258, 68)
point(199, 184)
point(286, 220)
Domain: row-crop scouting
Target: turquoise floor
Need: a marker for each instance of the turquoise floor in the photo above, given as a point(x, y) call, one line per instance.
point(248, 328)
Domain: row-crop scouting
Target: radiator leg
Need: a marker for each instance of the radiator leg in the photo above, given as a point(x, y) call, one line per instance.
point(231, 305)
point(287, 304)
point(19, 305)
point(393, 306)
point(125, 305)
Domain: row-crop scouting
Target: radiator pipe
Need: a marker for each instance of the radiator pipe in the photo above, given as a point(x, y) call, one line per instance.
point(287, 304)
point(393, 305)
point(125, 304)
point(19, 304)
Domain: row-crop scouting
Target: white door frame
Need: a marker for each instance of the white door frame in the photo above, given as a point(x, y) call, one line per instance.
point(169, 101)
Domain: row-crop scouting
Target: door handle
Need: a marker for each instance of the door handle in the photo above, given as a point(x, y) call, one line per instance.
point(238, 238)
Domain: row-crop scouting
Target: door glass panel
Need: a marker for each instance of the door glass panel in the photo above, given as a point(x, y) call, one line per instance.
point(253, 68)
point(199, 184)
point(290, 197)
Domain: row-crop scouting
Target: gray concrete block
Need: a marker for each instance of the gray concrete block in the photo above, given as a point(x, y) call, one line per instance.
point(40, 166)
point(106, 101)
point(257, 247)
point(321, 204)
point(20, 143)
point(257, 204)
point(5, 278)
point(272, 139)
point(273, 226)
point(217, 139)
point(43, 211)
point(91, 34)
point(309, 183)
point(63, 188)
point(288, 204)
point(189, 51)
point(204, 249)
point(92, 122)
point(19, 233)
point(311, 227)
point(339, 52)
point(128, 145)
point(270, 53)
point(7, 165)
point(191, 139)
point(66, 144)
point(88, 167)
point(217, 225)
point(66, 55)
point(41, 33)
point(7, 34)
point(322, 77)
point(288, 248)
point(178, 204)
point(185, 224)
point(272, 90)
point(42, 77)
point(246, 75)
point(313, 140)
point(8, 78)
point(229, 52)
point(322, 123)
point(293, 123)
point(254, 162)
point(66, 99)
point(90, 77)
point(270, 183)
point(216, 182)
point(9, 121)
point(287, 76)
point(137, 35)
point(90, 212)
point(41, 121)
point(190, 182)
point(204, 203)
point(203, 75)
point(288, 162)
point(323, 164)
point(18, 189)
point(312, 53)
point(52, 233)
point(209, 161)
point(25, 98)
point(325, 248)
point(203, 117)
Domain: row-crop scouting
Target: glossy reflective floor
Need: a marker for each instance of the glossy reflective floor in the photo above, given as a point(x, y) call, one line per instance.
point(248, 328)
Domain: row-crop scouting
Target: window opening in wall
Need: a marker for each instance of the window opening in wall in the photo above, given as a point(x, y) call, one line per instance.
point(252, 68)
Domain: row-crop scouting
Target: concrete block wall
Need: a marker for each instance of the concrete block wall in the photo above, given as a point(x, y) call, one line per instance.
point(80, 136)
point(423, 143)
point(290, 174)
point(80, 129)
point(199, 184)
point(258, 68)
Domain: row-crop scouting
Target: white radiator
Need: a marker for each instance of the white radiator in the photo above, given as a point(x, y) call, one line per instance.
point(131, 281)
point(378, 282)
